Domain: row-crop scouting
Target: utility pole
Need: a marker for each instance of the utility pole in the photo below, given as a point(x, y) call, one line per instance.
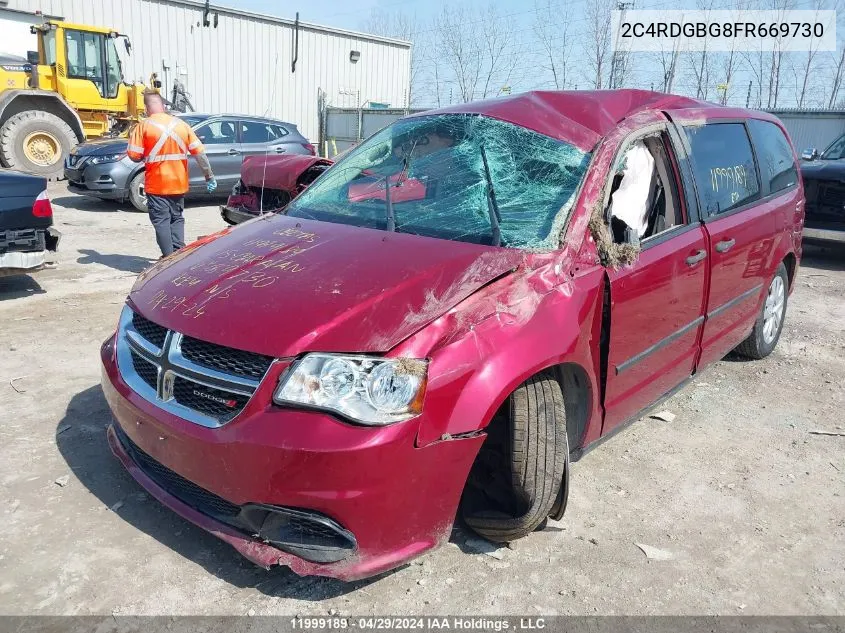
point(617, 62)
point(748, 96)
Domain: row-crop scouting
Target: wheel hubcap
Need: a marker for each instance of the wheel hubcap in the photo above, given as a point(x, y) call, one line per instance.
point(42, 148)
point(773, 310)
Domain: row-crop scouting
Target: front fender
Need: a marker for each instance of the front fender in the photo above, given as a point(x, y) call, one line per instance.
point(483, 349)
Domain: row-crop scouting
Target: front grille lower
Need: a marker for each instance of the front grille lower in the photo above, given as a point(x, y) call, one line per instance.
point(308, 534)
point(225, 359)
point(186, 491)
point(201, 382)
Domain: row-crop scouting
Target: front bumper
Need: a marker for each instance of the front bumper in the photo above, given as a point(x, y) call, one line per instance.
point(107, 180)
point(397, 500)
point(236, 215)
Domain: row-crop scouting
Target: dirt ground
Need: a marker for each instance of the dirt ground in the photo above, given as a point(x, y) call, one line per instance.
point(749, 504)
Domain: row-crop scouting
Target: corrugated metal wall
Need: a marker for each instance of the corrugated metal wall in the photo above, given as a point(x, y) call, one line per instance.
point(243, 65)
point(812, 129)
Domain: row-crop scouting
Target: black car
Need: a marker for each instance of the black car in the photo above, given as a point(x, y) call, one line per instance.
point(824, 188)
point(27, 235)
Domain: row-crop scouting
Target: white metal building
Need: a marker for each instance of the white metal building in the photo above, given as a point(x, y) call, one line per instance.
point(244, 64)
point(812, 128)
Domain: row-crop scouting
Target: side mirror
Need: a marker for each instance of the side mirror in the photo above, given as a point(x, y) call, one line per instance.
point(32, 57)
point(157, 84)
point(811, 153)
point(128, 46)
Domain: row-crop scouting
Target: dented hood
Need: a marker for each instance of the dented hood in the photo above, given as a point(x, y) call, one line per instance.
point(282, 286)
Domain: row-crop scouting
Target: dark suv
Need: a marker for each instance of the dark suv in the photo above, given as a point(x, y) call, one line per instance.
point(824, 187)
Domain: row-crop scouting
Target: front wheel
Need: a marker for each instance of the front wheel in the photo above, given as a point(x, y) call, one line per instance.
point(36, 142)
point(515, 483)
point(137, 195)
point(764, 337)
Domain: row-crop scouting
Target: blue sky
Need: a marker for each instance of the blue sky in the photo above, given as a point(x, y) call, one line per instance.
point(532, 70)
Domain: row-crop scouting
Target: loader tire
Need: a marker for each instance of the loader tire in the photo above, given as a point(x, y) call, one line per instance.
point(516, 481)
point(36, 142)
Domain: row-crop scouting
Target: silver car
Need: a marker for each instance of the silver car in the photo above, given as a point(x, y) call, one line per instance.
point(101, 168)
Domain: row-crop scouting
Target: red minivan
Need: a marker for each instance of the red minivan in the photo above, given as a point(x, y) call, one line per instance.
point(447, 318)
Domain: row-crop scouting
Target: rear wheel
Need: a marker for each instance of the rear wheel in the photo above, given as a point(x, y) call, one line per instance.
point(516, 479)
point(36, 142)
point(766, 333)
point(137, 195)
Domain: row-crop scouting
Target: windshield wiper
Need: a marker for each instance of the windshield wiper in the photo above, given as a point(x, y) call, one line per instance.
point(391, 218)
point(492, 205)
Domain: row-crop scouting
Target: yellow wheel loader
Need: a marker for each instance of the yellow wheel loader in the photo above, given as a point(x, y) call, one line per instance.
point(72, 89)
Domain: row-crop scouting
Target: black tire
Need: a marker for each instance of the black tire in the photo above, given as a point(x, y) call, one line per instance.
point(760, 343)
point(137, 197)
point(517, 479)
point(21, 126)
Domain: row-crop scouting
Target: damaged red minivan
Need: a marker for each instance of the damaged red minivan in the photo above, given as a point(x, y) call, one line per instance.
point(448, 317)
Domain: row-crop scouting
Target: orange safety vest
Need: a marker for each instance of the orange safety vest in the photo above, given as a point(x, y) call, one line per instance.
point(164, 142)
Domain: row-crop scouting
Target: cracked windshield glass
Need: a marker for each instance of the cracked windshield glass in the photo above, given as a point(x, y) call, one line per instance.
point(460, 177)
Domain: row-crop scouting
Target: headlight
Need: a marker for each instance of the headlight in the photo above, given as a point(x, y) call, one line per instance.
point(107, 158)
point(370, 390)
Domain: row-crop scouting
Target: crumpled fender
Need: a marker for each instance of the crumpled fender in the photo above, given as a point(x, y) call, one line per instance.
point(485, 347)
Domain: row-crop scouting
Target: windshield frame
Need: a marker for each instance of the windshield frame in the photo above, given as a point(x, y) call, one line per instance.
point(529, 164)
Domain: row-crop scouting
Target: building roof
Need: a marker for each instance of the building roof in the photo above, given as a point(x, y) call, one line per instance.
point(216, 8)
point(580, 117)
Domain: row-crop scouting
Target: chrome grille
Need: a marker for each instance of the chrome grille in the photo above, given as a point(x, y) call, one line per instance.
point(153, 362)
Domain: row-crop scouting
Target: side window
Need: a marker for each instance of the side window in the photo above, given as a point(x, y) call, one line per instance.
point(84, 57)
point(835, 149)
point(50, 47)
point(777, 165)
point(216, 133)
point(644, 199)
point(255, 132)
point(724, 166)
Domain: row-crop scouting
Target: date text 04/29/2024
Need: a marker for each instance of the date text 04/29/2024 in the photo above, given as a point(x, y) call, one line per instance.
point(456, 623)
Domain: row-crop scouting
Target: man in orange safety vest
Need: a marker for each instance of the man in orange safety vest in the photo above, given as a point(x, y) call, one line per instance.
point(163, 142)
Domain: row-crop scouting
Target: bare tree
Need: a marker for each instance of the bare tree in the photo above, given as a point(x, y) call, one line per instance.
point(755, 63)
point(499, 60)
point(597, 38)
point(481, 58)
point(837, 79)
point(551, 28)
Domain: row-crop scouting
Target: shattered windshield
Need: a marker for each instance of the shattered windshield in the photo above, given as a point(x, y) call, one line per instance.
point(460, 177)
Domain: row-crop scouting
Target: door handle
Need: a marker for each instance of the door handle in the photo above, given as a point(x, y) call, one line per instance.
point(725, 245)
point(279, 150)
point(233, 152)
point(692, 260)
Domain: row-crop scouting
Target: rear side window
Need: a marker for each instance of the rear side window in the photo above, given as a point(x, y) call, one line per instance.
point(777, 164)
point(723, 162)
point(255, 132)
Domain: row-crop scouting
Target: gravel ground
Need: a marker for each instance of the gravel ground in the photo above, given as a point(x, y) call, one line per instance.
point(748, 504)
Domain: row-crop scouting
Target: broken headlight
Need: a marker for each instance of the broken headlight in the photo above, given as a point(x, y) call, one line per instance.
point(368, 389)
